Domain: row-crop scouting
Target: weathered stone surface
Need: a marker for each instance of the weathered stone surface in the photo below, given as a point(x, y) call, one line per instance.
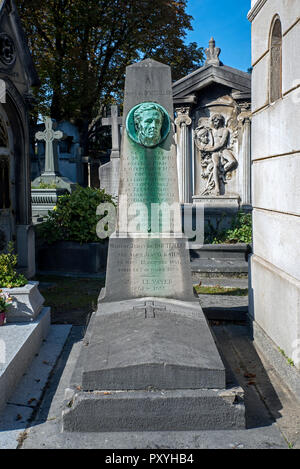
point(274, 303)
point(27, 303)
point(264, 17)
point(151, 344)
point(155, 261)
point(148, 266)
point(18, 345)
point(260, 82)
point(201, 409)
point(283, 173)
point(281, 137)
point(275, 274)
point(276, 239)
point(109, 175)
point(291, 66)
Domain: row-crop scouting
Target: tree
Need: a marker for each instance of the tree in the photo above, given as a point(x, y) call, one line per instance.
point(81, 49)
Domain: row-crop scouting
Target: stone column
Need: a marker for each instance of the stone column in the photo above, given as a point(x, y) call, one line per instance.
point(182, 122)
point(245, 120)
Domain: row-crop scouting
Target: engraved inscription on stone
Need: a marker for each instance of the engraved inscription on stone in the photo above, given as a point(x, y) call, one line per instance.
point(151, 179)
point(152, 265)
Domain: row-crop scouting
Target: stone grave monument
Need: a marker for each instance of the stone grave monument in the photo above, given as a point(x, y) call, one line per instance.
point(47, 187)
point(149, 361)
point(70, 153)
point(213, 127)
point(109, 173)
point(17, 78)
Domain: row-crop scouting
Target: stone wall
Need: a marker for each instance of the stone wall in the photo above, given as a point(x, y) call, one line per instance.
point(275, 265)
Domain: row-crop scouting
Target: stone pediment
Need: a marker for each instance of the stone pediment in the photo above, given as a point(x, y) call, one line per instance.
point(16, 63)
point(213, 72)
point(185, 89)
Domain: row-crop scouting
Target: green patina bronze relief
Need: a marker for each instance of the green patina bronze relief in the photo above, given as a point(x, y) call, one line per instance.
point(148, 124)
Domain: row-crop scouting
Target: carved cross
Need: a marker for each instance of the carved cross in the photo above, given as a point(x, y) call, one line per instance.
point(50, 136)
point(115, 122)
point(149, 309)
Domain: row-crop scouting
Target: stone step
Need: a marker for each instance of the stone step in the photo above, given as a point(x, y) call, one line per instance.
point(18, 345)
point(224, 307)
point(175, 410)
point(205, 268)
point(226, 282)
point(151, 364)
point(239, 251)
point(153, 343)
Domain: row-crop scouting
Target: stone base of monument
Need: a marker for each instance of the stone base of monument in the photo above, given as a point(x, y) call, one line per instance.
point(218, 202)
point(53, 178)
point(27, 303)
point(44, 200)
point(219, 260)
point(151, 364)
point(19, 343)
point(219, 211)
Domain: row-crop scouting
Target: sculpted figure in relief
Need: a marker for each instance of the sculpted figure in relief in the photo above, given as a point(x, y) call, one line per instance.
point(148, 119)
point(216, 158)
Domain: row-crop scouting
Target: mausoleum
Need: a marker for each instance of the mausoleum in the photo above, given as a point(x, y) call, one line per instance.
point(275, 269)
point(17, 76)
point(212, 107)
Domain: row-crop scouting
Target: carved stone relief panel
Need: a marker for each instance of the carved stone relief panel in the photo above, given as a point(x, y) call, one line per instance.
point(216, 139)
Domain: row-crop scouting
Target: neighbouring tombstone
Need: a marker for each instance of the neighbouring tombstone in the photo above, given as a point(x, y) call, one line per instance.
point(47, 187)
point(149, 361)
point(70, 163)
point(17, 76)
point(109, 173)
point(69, 153)
point(213, 109)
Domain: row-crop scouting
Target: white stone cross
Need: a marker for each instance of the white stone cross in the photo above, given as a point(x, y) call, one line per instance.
point(149, 309)
point(115, 122)
point(50, 136)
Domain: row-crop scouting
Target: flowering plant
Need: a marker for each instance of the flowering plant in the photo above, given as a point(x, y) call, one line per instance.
point(9, 277)
point(5, 302)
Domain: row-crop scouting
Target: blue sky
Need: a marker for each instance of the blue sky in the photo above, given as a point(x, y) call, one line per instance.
point(226, 21)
